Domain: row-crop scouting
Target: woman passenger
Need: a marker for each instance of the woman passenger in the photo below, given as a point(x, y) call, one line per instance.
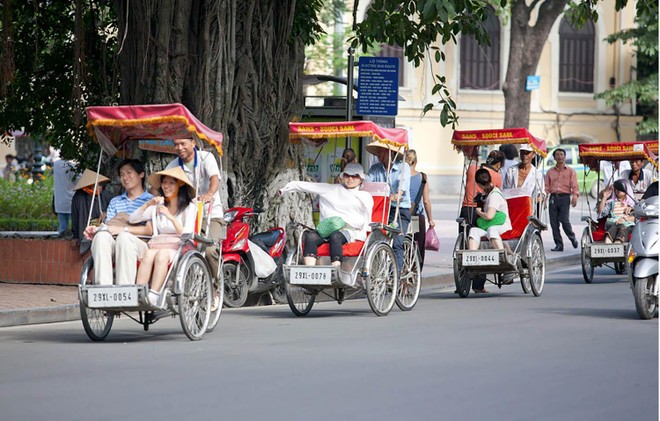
point(344, 200)
point(618, 210)
point(493, 202)
point(171, 214)
point(493, 164)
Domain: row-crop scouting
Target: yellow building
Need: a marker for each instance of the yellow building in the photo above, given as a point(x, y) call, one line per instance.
point(574, 65)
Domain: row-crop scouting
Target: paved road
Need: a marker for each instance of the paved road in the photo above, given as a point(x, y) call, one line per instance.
point(579, 352)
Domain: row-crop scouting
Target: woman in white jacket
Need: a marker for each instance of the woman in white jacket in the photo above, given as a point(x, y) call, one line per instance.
point(344, 200)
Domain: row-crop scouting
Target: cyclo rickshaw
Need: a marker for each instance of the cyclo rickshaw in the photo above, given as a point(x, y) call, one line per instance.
point(189, 286)
point(523, 254)
point(595, 252)
point(368, 267)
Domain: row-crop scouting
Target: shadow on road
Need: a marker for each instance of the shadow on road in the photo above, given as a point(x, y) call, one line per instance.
point(606, 313)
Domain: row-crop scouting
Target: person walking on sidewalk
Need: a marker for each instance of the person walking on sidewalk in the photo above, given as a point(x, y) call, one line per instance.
point(421, 204)
point(562, 186)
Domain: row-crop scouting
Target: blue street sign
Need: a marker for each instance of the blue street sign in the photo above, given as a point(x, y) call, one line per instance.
point(378, 86)
point(533, 82)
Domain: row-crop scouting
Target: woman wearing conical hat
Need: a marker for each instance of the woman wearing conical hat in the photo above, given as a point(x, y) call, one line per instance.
point(86, 200)
point(169, 215)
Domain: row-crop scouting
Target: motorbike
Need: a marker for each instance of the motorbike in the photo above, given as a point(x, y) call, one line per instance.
point(242, 275)
point(643, 258)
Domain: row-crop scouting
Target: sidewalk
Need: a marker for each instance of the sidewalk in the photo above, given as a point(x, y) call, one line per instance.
point(22, 304)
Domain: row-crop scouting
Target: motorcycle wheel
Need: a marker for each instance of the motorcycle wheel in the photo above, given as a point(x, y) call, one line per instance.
point(645, 302)
point(236, 286)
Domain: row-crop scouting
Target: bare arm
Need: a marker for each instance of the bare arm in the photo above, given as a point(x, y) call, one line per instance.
point(214, 184)
point(427, 204)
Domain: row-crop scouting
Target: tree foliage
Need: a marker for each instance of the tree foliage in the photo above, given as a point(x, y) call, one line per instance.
point(416, 25)
point(57, 57)
point(644, 89)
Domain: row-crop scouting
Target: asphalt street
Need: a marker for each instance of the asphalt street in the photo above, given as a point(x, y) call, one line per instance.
point(578, 352)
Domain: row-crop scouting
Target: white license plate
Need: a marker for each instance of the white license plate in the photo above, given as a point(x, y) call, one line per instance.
point(310, 276)
point(607, 250)
point(125, 296)
point(481, 258)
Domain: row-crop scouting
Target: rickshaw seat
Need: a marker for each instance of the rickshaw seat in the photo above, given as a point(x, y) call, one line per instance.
point(380, 213)
point(598, 230)
point(520, 208)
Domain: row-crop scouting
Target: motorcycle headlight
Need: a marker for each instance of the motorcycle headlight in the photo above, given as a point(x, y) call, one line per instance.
point(229, 216)
point(650, 209)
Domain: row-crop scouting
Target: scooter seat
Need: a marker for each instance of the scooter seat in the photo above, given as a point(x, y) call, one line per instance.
point(267, 238)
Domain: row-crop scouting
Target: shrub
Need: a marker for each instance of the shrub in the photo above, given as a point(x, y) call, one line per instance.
point(26, 205)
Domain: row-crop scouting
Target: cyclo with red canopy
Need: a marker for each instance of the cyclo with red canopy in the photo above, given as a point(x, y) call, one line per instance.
point(595, 252)
point(523, 254)
point(368, 266)
point(189, 286)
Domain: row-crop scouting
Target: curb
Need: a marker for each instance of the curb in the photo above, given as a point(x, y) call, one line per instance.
point(31, 316)
point(70, 312)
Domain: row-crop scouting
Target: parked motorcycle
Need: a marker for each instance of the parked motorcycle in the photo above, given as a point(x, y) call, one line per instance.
point(643, 258)
point(241, 274)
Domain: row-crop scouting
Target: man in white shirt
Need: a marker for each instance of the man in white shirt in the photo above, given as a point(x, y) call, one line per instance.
point(202, 170)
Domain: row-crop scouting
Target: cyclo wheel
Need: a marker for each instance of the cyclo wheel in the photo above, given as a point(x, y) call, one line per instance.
point(410, 283)
point(536, 264)
point(236, 285)
point(645, 303)
point(219, 286)
point(195, 298)
point(462, 280)
point(382, 282)
point(301, 300)
point(97, 323)
point(587, 269)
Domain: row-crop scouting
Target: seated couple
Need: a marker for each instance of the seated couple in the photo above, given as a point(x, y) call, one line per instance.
point(344, 207)
point(137, 213)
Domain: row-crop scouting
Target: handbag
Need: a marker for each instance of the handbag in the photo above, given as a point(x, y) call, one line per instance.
point(498, 219)
point(329, 225)
point(431, 240)
point(165, 241)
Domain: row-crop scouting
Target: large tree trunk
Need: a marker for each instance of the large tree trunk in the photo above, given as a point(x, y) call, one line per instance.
point(234, 65)
point(524, 53)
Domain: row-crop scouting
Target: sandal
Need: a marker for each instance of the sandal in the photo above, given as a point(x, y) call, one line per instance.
point(480, 291)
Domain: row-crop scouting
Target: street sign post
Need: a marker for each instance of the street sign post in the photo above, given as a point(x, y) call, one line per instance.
point(378, 86)
point(533, 82)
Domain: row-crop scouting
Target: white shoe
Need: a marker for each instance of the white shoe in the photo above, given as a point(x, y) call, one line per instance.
point(336, 264)
point(216, 303)
point(153, 298)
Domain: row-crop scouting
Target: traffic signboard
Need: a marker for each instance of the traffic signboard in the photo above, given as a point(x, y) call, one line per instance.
point(378, 86)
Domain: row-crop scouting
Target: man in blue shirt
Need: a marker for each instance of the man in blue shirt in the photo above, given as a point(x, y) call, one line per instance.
point(391, 162)
point(126, 248)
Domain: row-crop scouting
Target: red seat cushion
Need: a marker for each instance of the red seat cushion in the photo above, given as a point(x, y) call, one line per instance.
point(349, 249)
point(519, 209)
point(598, 232)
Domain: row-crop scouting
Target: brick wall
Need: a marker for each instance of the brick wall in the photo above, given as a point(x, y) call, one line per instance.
point(39, 261)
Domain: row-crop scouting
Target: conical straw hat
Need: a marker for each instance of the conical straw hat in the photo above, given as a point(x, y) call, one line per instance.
point(87, 179)
point(373, 147)
point(176, 173)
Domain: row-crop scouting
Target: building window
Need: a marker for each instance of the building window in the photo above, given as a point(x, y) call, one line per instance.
point(576, 57)
point(393, 51)
point(480, 64)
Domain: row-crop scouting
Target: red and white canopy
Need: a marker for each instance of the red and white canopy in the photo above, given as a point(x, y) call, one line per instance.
point(320, 132)
point(113, 126)
point(592, 153)
point(468, 141)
